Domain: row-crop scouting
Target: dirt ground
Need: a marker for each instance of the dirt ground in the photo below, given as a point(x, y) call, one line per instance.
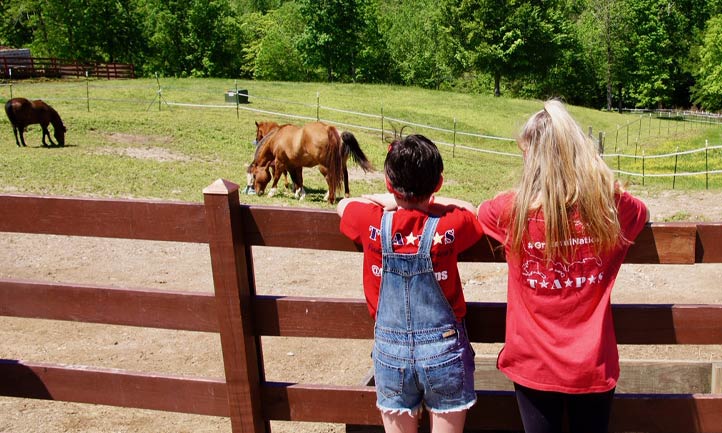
point(175, 266)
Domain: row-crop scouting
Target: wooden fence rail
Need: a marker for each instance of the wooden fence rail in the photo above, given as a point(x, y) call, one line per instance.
point(51, 67)
point(241, 317)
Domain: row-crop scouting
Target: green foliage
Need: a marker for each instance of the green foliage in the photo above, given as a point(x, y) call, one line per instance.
point(95, 30)
point(598, 26)
point(708, 91)
point(509, 39)
point(416, 42)
point(276, 54)
point(191, 38)
point(631, 53)
point(373, 63)
point(330, 37)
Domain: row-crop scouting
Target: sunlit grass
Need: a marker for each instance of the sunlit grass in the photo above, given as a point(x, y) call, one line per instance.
point(127, 138)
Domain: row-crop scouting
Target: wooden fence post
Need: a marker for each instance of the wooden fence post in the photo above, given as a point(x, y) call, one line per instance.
point(234, 285)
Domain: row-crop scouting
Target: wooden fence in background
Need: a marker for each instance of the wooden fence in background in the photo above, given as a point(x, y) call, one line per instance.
point(242, 317)
point(34, 67)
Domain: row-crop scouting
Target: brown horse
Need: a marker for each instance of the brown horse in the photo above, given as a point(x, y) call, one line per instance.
point(289, 148)
point(23, 112)
point(262, 130)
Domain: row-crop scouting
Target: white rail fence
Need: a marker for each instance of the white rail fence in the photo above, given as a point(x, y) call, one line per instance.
point(390, 126)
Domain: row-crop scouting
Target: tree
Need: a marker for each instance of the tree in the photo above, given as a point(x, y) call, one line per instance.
point(77, 29)
point(662, 34)
point(330, 39)
point(505, 38)
point(373, 63)
point(276, 55)
point(18, 20)
point(191, 38)
point(416, 42)
point(602, 23)
point(708, 90)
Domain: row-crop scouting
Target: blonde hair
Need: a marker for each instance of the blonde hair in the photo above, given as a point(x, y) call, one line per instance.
point(563, 174)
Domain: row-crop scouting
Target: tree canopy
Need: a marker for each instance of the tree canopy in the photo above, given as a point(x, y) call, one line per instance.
point(599, 53)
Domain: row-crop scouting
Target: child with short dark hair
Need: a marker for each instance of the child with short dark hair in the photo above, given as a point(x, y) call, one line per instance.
point(411, 240)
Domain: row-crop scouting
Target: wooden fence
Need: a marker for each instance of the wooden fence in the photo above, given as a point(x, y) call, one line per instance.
point(33, 67)
point(241, 317)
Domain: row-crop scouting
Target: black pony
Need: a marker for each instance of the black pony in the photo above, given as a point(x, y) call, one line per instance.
point(23, 112)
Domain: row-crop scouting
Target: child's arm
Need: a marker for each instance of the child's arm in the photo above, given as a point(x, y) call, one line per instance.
point(438, 203)
point(341, 207)
point(385, 200)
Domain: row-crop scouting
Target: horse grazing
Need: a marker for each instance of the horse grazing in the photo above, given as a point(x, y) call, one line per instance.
point(23, 112)
point(290, 148)
point(262, 130)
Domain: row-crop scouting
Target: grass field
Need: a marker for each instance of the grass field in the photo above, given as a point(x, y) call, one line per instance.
point(168, 139)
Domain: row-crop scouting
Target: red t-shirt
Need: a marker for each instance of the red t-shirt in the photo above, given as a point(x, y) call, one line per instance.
point(457, 230)
point(559, 331)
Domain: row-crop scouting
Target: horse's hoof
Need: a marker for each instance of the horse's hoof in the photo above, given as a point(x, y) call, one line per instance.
point(272, 192)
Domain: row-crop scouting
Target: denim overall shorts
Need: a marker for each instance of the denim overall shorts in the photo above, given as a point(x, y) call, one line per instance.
point(421, 353)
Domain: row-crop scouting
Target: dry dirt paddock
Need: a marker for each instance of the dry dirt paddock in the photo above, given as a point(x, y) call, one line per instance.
point(176, 266)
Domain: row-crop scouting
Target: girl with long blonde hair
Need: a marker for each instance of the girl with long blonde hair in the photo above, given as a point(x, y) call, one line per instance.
point(565, 230)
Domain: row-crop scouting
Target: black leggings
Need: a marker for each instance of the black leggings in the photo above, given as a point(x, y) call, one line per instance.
point(543, 411)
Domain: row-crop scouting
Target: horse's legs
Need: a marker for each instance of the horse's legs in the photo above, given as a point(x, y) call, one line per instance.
point(285, 181)
point(279, 168)
point(331, 194)
point(297, 179)
point(15, 132)
point(22, 137)
point(46, 133)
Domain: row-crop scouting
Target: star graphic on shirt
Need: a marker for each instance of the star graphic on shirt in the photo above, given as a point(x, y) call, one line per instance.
point(411, 239)
point(438, 238)
point(592, 279)
point(568, 283)
point(544, 284)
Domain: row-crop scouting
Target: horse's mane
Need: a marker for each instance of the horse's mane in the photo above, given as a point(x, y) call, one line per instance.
point(263, 144)
point(55, 118)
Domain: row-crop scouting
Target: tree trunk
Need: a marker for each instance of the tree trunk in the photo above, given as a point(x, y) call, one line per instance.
point(610, 54)
point(497, 81)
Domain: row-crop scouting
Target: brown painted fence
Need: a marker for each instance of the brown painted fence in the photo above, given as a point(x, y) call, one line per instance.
point(242, 318)
point(33, 67)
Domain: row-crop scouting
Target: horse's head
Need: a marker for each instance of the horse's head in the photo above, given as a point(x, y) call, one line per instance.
point(59, 133)
point(263, 129)
point(259, 171)
point(259, 176)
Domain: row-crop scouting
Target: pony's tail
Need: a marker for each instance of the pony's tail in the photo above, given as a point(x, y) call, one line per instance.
point(334, 157)
point(351, 145)
point(11, 114)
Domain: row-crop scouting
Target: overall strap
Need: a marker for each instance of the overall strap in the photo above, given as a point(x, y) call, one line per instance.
point(427, 237)
point(386, 235)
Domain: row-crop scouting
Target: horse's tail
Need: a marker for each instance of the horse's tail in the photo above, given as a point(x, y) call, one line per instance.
point(351, 145)
point(334, 157)
point(10, 112)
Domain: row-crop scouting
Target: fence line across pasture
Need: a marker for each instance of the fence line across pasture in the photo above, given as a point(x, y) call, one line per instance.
point(454, 145)
point(383, 131)
point(678, 174)
point(663, 155)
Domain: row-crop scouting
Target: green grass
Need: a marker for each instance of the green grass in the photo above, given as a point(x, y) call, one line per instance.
point(120, 144)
